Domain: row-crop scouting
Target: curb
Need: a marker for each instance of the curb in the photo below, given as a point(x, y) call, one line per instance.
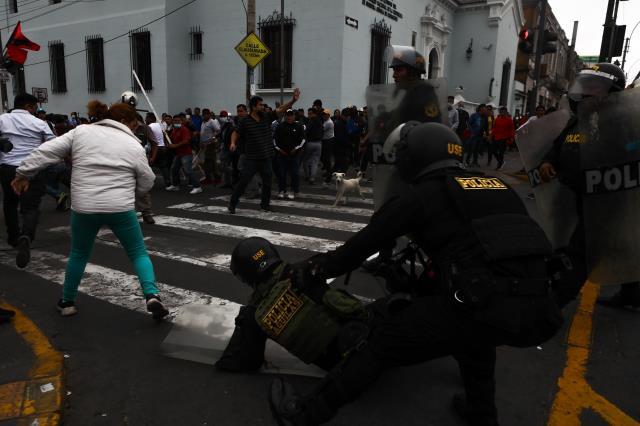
point(38, 399)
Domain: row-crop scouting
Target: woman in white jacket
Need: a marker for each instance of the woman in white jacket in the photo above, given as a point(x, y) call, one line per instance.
point(109, 167)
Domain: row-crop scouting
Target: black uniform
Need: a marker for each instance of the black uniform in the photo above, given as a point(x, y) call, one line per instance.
point(492, 289)
point(565, 158)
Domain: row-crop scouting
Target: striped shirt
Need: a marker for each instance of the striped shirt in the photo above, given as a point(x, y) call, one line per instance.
point(256, 137)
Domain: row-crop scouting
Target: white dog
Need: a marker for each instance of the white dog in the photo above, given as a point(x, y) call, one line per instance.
point(344, 186)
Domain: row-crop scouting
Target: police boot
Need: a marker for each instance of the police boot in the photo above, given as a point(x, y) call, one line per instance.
point(627, 298)
point(469, 414)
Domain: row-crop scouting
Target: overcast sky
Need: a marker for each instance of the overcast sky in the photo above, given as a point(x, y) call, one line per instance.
point(591, 15)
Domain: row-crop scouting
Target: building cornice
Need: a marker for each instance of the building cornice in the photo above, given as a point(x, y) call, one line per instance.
point(450, 5)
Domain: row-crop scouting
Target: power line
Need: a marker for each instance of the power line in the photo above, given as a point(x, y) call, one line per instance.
point(44, 13)
point(121, 35)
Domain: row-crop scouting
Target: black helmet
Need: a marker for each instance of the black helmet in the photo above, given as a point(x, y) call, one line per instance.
point(597, 81)
point(406, 56)
point(422, 148)
point(251, 258)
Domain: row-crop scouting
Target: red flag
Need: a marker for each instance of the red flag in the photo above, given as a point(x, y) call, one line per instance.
point(15, 54)
point(18, 39)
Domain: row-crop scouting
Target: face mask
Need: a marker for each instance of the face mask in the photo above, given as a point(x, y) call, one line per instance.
point(177, 126)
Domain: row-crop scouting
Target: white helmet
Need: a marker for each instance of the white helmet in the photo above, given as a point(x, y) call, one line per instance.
point(130, 98)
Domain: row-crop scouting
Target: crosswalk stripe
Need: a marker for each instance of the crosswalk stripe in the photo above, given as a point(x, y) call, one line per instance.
point(241, 232)
point(366, 212)
point(218, 262)
point(326, 197)
point(117, 287)
point(313, 222)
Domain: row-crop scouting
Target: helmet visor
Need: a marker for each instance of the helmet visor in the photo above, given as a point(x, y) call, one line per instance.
point(591, 83)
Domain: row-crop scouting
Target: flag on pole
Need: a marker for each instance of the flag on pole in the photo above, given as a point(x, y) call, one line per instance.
point(17, 46)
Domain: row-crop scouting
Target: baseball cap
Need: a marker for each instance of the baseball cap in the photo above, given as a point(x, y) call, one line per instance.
point(224, 113)
point(326, 111)
point(290, 112)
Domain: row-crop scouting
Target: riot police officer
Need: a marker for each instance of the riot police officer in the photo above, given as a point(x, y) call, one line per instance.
point(314, 322)
point(491, 282)
point(563, 162)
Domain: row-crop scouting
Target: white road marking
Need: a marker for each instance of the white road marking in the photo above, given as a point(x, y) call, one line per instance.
point(117, 287)
point(351, 197)
point(366, 212)
point(313, 222)
point(235, 231)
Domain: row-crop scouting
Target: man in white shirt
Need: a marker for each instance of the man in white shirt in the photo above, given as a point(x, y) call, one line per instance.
point(164, 156)
point(209, 133)
point(26, 133)
point(453, 114)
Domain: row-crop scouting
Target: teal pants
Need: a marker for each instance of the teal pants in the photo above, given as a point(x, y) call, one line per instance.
point(125, 226)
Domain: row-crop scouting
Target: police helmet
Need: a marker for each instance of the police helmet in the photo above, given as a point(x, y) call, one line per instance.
point(130, 98)
point(251, 258)
point(597, 81)
point(422, 148)
point(406, 56)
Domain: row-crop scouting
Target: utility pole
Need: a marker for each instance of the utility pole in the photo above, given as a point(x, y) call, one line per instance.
point(281, 52)
point(624, 52)
point(533, 99)
point(251, 28)
point(609, 33)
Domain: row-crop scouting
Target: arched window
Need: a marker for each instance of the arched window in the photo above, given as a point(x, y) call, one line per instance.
point(432, 72)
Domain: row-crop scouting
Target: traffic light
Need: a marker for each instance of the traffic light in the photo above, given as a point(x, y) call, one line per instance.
point(526, 41)
point(549, 42)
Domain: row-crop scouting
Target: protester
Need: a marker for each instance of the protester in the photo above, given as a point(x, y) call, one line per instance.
point(181, 146)
point(503, 131)
point(103, 153)
point(209, 132)
point(327, 142)
point(477, 133)
point(26, 133)
point(255, 132)
point(313, 145)
point(289, 140)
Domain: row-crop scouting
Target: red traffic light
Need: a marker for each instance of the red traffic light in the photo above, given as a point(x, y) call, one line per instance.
point(524, 34)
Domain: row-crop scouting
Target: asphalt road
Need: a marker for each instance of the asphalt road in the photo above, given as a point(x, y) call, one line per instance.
point(116, 375)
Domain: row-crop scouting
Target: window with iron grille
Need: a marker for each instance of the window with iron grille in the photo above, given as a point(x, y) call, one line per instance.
point(270, 35)
point(380, 37)
point(196, 43)
point(95, 64)
point(57, 67)
point(141, 58)
point(13, 6)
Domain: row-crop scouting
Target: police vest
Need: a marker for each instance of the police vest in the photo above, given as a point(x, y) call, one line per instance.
point(497, 217)
point(297, 323)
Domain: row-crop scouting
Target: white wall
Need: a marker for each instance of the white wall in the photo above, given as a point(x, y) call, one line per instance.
point(70, 25)
point(474, 74)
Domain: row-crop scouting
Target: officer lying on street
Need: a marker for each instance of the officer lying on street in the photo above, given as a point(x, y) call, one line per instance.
point(491, 289)
point(313, 321)
point(563, 162)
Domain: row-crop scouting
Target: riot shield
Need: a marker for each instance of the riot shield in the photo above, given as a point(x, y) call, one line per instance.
point(201, 332)
point(610, 161)
point(390, 105)
point(557, 205)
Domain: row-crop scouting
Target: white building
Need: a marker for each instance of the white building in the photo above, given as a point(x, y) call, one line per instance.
point(334, 48)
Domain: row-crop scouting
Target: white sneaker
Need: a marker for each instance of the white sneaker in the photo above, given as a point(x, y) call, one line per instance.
point(281, 194)
point(172, 188)
point(197, 190)
point(291, 197)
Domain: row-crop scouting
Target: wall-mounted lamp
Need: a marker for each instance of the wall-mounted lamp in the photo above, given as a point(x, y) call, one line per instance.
point(470, 50)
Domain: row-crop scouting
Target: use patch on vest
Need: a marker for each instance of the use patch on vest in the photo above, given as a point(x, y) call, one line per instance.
point(281, 312)
point(475, 183)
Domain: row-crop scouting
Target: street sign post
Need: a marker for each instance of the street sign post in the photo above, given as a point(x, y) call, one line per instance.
point(41, 93)
point(252, 50)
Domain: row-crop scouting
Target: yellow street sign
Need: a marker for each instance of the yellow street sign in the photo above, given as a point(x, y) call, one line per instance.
point(252, 50)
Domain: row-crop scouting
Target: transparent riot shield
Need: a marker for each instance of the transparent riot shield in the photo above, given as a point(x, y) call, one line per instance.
point(557, 204)
point(201, 332)
point(610, 160)
point(390, 105)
